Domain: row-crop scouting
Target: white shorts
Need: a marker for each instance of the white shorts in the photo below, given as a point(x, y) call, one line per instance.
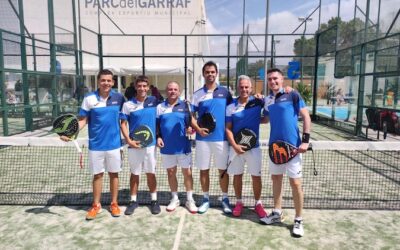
point(252, 158)
point(142, 159)
point(293, 168)
point(205, 149)
point(105, 161)
point(181, 160)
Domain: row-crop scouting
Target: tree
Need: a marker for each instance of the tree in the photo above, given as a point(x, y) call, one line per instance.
point(253, 68)
point(335, 31)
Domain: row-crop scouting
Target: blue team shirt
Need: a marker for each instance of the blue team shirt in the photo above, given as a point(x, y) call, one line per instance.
point(214, 102)
point(172, 122)
point(242, 117)
point(103, 120)
point(283, 111)
point(141, 113)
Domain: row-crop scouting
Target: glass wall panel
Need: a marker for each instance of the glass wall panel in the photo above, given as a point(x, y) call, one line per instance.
point(9, 19)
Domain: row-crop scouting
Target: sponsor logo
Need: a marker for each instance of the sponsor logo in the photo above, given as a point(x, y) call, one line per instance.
point(137, 4)
point(245, 140)
point(65, 123)
point(144, 133)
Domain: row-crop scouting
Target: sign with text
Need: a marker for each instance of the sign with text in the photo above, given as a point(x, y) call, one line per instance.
point(293, 72)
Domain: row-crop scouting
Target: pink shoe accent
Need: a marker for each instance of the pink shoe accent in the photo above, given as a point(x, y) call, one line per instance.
point(259, 209)
point(237, 211)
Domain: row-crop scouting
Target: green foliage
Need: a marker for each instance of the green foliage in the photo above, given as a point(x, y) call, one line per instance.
point(334, 33)
point(254, 67)
point(305, 92)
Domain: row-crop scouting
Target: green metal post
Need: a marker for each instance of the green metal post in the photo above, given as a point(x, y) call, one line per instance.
point(27, 109)
point(100, 46)
point(34, 69)
point(4, 110)
point(363, 61)
point(315, 87)
point(228, 67)
point(186, 86)
point(143, 59)
point(78, 76)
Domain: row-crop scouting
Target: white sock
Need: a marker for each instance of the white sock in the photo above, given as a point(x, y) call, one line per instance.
point(298, 218)
point(206, 195)
point(278, 211)
point(224, 195)
point(133, 197)
point(174, 195)
point(189, 195)
point(239, 200)
point(258, 202)
point(153, 196)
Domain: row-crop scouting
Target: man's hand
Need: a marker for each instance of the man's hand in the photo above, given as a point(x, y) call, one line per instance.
point(303, 147)
point(203, 132)
point(160, 142)
point(239, 149)
point(134, 144)
point(288, 89)
point(65, 138)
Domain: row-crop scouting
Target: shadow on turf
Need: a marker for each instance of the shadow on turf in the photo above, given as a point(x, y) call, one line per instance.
point(41, 210)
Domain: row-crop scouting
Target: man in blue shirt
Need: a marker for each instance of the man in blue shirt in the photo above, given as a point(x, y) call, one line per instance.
point(283, 110)
point(138, 111)
point(173, 120)
point(212, 98)
point(101, 111)
point(240, 116)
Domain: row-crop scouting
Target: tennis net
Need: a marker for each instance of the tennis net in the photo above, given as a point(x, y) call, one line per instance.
point(351, 175)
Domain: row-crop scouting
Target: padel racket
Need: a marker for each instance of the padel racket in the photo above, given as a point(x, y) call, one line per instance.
point(188, 120)
point(281, 152)
point(245, 137)
point(143, 134)
point(253, 103)
point(207, 121)
point(68, 125)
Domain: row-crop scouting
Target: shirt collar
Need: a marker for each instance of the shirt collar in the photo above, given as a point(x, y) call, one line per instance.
point(236, 100)
point(97, 93)
point(281, 91)
point(166, 103)
point(206, 90)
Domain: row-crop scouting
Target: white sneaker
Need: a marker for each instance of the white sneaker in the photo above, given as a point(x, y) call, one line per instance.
point(272, 218)
point(298, 230)
point(173, 204)
point(191, 206)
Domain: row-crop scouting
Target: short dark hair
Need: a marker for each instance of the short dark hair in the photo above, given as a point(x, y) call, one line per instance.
point(104, 72)
point(141, 78)
point(208, 64)
point(272, 70)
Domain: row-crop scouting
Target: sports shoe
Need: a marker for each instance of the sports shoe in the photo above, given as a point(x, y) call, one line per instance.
point(191, 206)
point(298, 230)
point(172, 205)
point(204, 207)
point(155, 207)
point(131, 207)
point(226, 208)
point(272, 218)
point(260, 211)
point(93, 211)
point(115, 211)
point(237, 211)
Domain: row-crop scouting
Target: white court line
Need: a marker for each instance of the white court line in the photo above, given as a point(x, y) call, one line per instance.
point(179, 231)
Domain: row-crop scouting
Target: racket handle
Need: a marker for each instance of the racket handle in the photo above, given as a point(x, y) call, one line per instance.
point(77, 146)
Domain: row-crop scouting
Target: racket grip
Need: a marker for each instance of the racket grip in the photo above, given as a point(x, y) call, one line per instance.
point(77, 146)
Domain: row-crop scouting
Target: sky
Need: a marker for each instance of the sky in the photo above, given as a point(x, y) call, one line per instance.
point(226, 17)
